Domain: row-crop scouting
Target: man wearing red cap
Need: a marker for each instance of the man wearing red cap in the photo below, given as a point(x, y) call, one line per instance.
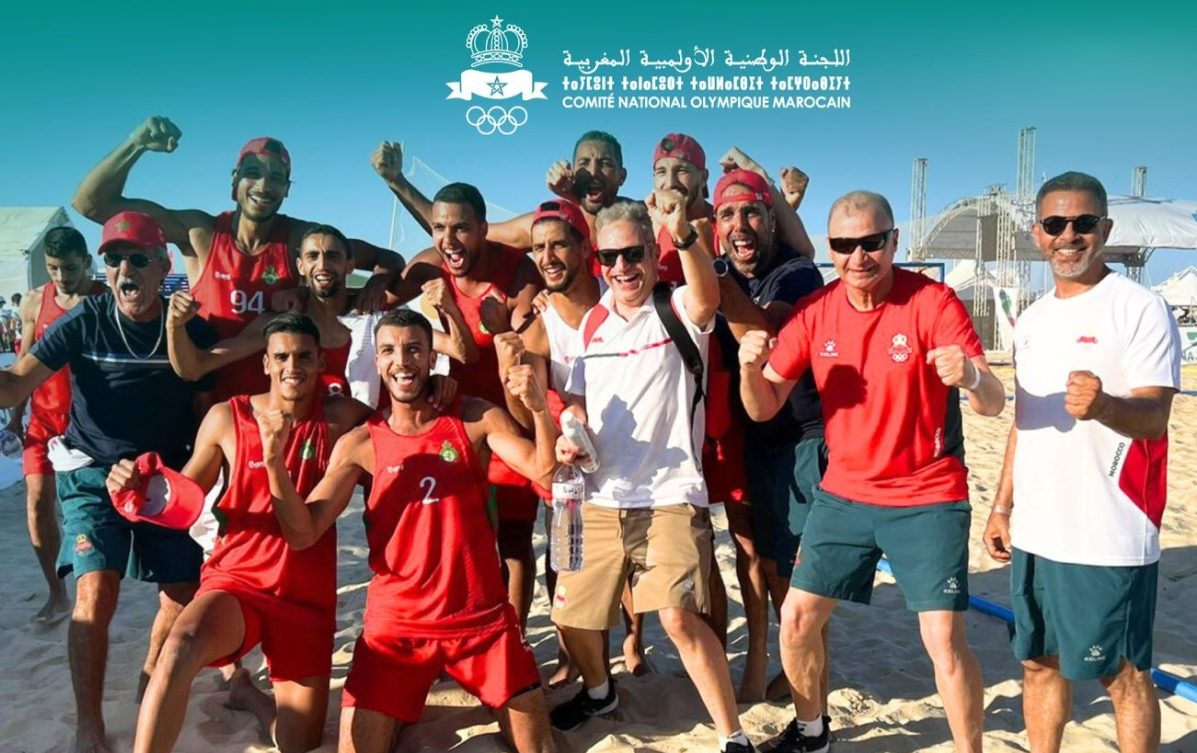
point(885, 346)
point(115, 344)
point(254, 588)
point(235, 261)
point(68, 265)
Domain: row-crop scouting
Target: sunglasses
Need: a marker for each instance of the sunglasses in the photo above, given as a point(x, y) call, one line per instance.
point(1081, 224)
point(550, 206)
point(632, 255)
point(141, 261)
point(869, 243)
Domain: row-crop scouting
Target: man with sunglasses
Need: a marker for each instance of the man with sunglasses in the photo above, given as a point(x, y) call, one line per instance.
point(760, 280)
point(493, 286)
point(125, 400)
point(1097, 363)
point(645, 512)
point(68, 265)
point(885, 346)
point(236, 260)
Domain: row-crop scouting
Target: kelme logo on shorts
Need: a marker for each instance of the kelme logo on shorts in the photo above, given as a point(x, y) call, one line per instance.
point(559, 597)
point(952, 586)
point(1095, 653)
point(449, 452)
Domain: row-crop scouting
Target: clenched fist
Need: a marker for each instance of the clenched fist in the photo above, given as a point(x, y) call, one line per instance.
point(436, 292)
point(509, 347)
point(523, 384)
point(793, 185)
point(755, 348)
point(952, 366)
point(667, 208)
point(274, 426)
point(182, 309)
point(123, 476)
point(1083, 398)
point(736, 159)
point(560, 180)
point(387, 160)
point(156, 134)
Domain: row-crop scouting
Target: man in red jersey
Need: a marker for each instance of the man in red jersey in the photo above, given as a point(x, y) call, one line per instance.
point(254, 588)
point(436, 601)
point(493, 286)
point(235, 261)
point(325, 260)
point(885, 346)
point(69, 266)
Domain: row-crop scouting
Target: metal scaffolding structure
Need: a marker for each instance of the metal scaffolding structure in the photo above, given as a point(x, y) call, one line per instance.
point(918, 207)
point(1134, 268)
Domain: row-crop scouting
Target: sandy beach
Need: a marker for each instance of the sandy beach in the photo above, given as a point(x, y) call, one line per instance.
point(882, 699)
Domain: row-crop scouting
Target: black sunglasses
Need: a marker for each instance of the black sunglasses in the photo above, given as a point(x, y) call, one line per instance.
point(632, 255)
point(113, 259)
point(1081, 224)
point(550, 206)
point(874, 242)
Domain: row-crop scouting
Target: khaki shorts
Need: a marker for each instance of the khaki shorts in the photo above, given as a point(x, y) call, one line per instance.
point(666, 550)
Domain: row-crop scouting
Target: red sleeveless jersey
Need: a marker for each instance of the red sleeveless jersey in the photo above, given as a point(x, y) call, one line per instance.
point(432, 548)
point(50, 404)
point(252, 558)
point(334, 378)
point(234, 288)
point(481, 378)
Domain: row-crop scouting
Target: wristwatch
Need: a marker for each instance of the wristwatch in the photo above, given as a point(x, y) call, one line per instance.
point(688, 241)
point(721, 265)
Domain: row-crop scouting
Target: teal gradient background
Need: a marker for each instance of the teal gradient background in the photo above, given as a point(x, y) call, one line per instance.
point(1108, 89)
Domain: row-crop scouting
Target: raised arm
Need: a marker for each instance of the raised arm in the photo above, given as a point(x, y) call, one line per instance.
point(457, 342)
point(101, 194)
point(789, 225)
point(304, 522)
point(388, 163)
point(190, 362)
point(668, 210)
point(762, 390)
point(536, 459)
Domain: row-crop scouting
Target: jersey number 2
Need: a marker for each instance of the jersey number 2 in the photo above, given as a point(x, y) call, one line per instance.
point(430, 482)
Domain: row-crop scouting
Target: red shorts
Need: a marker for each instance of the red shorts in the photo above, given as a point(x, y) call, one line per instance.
point(42, 428)
point(292, 652)
point(392, 674)
point(723, 466)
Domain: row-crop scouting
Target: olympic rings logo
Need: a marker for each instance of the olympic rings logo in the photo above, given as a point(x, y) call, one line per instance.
point(488, 120)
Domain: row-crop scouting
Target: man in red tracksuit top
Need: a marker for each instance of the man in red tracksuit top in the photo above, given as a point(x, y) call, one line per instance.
point(255, 587)
point(436, 601)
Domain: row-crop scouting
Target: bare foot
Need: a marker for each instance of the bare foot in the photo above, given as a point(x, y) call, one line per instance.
point(633, 657)
point(242, 691)
point(89, 744)
point(55, 611)
point(564, 674)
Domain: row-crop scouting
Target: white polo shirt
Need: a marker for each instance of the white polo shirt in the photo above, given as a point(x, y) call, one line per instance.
point(1084, 493)
point(638, 396)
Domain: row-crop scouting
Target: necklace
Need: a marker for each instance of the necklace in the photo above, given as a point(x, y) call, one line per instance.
point(120, 328)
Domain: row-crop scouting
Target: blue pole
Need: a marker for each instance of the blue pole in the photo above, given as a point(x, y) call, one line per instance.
point(1162, 679)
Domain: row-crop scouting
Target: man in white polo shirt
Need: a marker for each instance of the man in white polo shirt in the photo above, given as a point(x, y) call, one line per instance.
point(1097, 362)
point(646, 507)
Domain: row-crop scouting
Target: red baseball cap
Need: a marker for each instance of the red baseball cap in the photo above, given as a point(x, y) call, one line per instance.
point(681, 146)
point(265, 145)
point(165, 498)
point(758, 188)
point(132, 227)
point(566, 211)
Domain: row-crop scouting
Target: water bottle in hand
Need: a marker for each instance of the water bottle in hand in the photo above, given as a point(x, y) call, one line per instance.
point(565, 540)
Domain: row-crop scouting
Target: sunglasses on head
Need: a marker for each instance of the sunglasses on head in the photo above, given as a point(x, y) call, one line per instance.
point(874, 242)
point(1083, 223)
point(113, 259)
point(550, 206)
point(632, 255)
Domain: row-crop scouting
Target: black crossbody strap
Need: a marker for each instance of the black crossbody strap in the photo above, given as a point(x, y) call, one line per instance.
point(662, 302)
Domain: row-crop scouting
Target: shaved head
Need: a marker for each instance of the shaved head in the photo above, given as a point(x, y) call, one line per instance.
point(860, 201)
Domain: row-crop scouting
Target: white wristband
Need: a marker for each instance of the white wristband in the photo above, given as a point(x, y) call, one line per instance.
point(1000, 510)
point(976, 377)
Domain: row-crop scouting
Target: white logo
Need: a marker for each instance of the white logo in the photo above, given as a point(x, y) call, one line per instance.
point(829, 349)
point(899, 349)
point(952, 586)
point(256, 464)
point(223, 276)
point(1095, 653)
point(489, 46)
point(394, 468)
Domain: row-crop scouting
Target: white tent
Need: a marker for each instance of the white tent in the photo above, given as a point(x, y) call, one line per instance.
point(1180, 289)
point(22, 231)
point(968, 281)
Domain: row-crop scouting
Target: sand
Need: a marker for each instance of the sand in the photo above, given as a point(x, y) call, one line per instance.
point(882, 697)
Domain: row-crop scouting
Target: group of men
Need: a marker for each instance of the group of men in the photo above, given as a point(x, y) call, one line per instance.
point(696, 343)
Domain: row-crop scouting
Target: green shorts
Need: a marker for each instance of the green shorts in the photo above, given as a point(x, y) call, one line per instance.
point(781, 487)
point(96, 538)
point(1088, 616)
point(927, 548)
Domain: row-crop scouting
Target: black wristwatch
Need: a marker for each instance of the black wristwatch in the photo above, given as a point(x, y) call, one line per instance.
point(689, 241)
point(721, 265)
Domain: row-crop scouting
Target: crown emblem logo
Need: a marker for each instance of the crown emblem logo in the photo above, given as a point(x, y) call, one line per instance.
point(496, 43)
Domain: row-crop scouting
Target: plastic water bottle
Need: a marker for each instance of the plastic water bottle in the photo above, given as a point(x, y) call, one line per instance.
point(10, 444)
point(576, 432)
point(565, 540)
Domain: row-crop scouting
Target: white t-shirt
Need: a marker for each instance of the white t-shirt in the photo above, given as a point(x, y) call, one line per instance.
point(638, 396)
point(1083, 493)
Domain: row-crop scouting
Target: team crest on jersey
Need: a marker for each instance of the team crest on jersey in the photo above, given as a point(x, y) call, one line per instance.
point(449, 452)
point(270, 276)
point(482, 329)
point(308, 452)
point(899, 348)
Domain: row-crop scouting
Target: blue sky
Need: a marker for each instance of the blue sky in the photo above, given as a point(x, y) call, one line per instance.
point(1107, 89)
